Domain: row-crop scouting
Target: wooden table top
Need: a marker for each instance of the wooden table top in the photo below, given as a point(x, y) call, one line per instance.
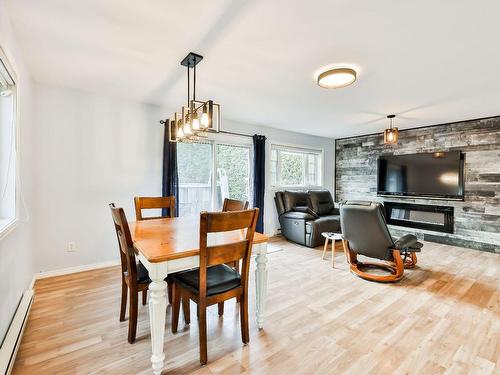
point(165, 239)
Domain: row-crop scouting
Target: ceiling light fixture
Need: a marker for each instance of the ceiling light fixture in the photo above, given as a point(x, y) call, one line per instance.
point(198, 117)
point(391, 134)
point(336, 78)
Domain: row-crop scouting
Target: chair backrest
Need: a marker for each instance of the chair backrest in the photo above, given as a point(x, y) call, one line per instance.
point(294, 199)
point(364, 227)
point(321, 202)
point(125, 244)
point(220, 253)
point(148, 203)
point(234, 205)
point(280, 204)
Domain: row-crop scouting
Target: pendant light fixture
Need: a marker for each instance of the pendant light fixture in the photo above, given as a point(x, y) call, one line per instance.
point(198, 117)
point(391, 134)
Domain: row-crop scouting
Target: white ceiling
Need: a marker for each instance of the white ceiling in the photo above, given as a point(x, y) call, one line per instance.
point(427, 61)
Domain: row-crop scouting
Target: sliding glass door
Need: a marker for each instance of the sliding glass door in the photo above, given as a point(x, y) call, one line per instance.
point(195, 166)
point(199, 162)
point(233, 173)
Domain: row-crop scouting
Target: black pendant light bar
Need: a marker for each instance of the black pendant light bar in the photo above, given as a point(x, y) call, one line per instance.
point(191, 60)
point(198, 117)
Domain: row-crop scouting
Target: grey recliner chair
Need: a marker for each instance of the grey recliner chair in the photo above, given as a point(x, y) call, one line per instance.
point(365, 232)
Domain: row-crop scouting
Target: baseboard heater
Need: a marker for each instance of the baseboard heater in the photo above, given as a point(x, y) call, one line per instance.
point(12, 340)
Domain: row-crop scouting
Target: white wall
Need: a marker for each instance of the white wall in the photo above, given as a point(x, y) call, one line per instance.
point(90, 151)
point(16, 251)
point(278, 136)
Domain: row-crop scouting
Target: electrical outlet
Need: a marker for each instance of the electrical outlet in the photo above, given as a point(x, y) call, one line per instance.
point(71, 247)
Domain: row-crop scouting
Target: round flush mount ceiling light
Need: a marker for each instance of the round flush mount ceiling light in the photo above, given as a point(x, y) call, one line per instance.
point(336, 78)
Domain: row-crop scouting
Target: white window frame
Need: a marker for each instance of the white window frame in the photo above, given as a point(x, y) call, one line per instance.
point(295, 148)
point(8, 224)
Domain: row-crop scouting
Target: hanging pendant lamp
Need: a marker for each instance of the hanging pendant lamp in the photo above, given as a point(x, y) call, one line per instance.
point(198, 117)
point(391, 134)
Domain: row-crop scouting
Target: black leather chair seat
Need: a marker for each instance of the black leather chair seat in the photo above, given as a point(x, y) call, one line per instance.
point(220, 279)
point(143, 275)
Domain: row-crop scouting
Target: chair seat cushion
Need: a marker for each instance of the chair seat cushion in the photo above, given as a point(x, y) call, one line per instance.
point(143, 275)
point(220, 279)
point(330, 223)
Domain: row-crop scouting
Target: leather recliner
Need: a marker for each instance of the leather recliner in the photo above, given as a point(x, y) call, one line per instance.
point(304, 215)
point(365, 232)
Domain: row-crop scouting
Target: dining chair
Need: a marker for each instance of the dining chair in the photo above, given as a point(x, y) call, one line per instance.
point(234, 205)
point(134, 275)
point(214, 281)
point(149, 203)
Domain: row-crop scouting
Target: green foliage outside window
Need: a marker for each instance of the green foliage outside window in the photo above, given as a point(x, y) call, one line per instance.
point(234, 161)
point(194, 163)
point(292, 168)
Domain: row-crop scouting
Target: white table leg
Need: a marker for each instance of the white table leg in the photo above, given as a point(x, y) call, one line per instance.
point(261, 282)
point(157, 312)
point(333, 253)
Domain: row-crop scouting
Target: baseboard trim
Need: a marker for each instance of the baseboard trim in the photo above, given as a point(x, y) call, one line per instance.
point(70, 270)
point(10, 345)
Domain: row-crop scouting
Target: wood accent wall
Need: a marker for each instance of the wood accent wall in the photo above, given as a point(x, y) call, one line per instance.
point(477, 218)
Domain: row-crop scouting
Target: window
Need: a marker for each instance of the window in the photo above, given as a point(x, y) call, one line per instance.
point(7, 144)
point(295, 167)
point(194, 163)
point(233, 173)
point(197, 161)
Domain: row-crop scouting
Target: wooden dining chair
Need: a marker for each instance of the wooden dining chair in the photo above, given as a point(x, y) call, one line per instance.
point(135, 276)
point(149, 203)
point(234, 205)
point(214, 281)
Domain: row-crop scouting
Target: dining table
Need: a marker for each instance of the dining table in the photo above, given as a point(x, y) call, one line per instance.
point(169, 245)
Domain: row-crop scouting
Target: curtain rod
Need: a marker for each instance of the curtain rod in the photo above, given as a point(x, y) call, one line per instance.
point(164, 122)
point(233, 133)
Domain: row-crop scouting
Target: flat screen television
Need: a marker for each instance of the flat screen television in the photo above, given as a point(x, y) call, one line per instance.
point(429, 175)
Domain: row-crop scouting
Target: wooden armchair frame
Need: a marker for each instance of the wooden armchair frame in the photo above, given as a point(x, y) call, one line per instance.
point(395, 267)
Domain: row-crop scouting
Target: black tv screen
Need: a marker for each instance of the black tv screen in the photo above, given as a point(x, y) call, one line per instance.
point(438, 174)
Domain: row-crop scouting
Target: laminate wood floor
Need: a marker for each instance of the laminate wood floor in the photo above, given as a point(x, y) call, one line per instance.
point(443, 318)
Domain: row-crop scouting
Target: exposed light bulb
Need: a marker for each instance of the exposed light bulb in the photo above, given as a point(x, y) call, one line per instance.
point(204, 120)
point(187, 128)
point(196, 124)
point(390, 136)
point(180, 133)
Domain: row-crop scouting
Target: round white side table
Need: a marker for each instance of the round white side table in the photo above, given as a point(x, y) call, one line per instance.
point(333, 237)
